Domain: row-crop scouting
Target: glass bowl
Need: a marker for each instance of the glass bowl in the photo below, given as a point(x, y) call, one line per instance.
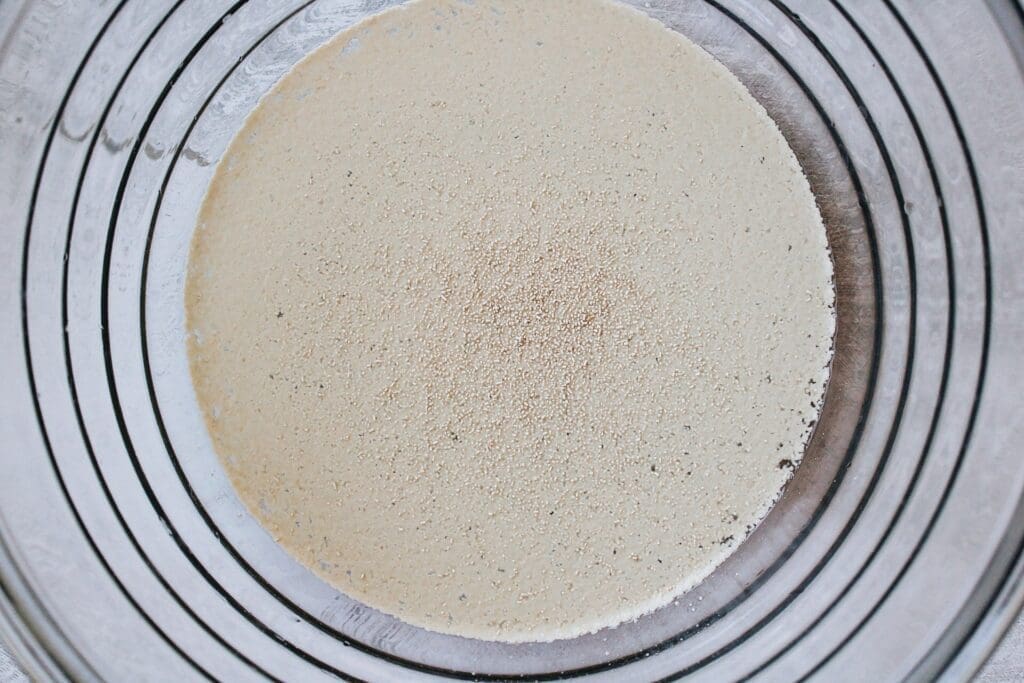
point(894, 553)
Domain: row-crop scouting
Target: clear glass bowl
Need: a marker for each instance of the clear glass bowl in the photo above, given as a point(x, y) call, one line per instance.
point(894, 553)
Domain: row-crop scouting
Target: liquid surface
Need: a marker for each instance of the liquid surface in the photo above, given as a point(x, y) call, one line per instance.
point(509, 318)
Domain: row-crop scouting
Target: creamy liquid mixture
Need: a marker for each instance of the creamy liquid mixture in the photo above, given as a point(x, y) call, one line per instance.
point(510, 318)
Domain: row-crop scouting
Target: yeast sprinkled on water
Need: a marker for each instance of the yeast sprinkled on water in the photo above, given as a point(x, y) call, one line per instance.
point(514, 316)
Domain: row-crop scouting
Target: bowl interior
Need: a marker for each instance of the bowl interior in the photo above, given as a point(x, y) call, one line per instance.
point(901, 154)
